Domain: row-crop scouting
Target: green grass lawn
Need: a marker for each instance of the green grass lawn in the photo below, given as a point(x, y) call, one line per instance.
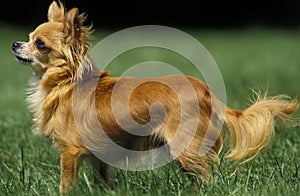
point(247, 58)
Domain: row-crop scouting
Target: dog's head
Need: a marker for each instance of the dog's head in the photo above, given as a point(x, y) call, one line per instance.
point(60, 42)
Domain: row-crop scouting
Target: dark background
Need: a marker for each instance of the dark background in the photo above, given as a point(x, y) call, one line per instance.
point(200, 14)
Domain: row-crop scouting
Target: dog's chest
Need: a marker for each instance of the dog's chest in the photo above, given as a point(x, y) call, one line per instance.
point(35, 100)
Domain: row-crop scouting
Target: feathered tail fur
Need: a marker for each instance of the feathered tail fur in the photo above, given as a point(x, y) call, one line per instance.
point(252, 129)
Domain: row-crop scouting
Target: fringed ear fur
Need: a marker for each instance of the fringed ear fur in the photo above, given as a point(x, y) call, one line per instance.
point(75, 31)
point(76, 35)
point(73, 24)
point(55, 12)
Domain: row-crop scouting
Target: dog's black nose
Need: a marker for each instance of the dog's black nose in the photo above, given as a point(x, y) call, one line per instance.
point(16, 45)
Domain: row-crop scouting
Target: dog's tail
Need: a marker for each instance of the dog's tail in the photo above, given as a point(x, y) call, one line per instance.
point(252, 130)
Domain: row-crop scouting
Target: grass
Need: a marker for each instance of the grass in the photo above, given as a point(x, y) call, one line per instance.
point(247, 58)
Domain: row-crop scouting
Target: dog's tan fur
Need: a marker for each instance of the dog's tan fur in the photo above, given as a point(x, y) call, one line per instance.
point(58, 52)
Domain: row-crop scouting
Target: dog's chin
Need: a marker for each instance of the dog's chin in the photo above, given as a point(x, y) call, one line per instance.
point(24, 60)
point(31, 62)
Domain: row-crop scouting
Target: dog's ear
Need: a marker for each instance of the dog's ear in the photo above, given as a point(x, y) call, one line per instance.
point(55, 13)
point(73, 24)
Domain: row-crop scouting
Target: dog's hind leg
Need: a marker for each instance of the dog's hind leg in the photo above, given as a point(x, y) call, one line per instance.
point(192, 162)
point(200, 154)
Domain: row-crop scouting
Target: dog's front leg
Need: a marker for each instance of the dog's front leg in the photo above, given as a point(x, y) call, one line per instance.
point(100, 169)
point(70, 163)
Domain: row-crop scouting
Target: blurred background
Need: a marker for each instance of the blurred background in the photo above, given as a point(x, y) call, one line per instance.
point(120, 14)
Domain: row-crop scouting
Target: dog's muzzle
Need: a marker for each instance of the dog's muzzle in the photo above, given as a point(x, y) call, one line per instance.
point(16, 46)
point(21, 56)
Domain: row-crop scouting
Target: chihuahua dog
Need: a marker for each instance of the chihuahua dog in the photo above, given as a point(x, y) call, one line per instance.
point(83, 110)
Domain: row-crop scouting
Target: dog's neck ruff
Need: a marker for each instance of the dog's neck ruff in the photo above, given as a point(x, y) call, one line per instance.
point(85, 68)
point(37, 92)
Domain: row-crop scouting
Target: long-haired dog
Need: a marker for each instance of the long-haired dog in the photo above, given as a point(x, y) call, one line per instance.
point(82, 109)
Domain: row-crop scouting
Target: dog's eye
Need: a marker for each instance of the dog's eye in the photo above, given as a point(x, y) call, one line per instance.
point(40, 44)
